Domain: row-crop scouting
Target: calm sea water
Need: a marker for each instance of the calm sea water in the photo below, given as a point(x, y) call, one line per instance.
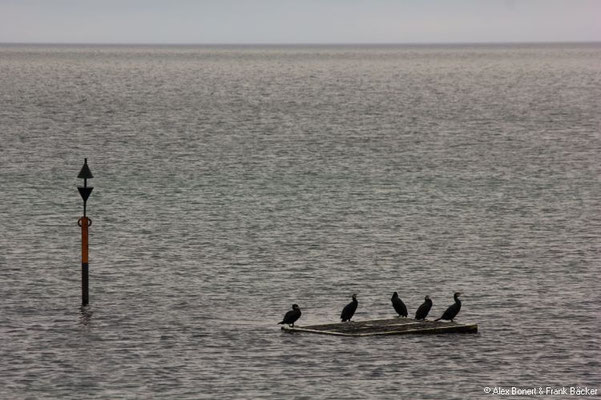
point(231, 182)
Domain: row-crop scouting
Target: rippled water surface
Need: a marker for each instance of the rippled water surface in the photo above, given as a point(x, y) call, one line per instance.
point(231, 182)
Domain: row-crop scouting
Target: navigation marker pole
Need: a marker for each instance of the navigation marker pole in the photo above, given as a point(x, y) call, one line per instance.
point(84, 222)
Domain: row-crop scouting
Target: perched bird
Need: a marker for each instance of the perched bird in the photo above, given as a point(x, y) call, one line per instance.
point(291, 316)
point(453, 309)
point(398, 305)
point(349, 310)
point(424, 309)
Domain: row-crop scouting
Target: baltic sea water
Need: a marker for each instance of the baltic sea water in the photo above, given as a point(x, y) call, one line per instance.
point(233, 181)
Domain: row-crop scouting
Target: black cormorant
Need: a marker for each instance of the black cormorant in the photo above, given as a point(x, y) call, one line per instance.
point(424, 309)
point(453, 309)
point(349, 310)
point(291, 316)
point(398, 305)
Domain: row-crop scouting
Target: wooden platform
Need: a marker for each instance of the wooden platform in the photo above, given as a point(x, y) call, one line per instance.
point(394, 326)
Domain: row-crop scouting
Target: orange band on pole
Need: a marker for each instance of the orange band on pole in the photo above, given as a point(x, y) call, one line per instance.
point(84, 239)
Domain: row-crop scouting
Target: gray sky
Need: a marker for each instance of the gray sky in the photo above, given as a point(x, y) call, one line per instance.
point(299, 21)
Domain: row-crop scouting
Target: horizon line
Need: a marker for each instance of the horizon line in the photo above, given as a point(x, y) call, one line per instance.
point(302, 43)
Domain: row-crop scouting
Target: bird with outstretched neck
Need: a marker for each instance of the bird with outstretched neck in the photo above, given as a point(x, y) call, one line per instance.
point(398, 305)
point(453, 309)
point(349, 310)
point(292, 316)
point(424, 309)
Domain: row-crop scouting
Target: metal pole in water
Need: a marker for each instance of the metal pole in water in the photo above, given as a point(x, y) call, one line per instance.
point(84, 222)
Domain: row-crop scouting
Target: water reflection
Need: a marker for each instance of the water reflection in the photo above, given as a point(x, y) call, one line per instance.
point(85, 316)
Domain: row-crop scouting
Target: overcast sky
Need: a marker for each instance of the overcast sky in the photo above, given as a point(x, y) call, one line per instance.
point(299, 21)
